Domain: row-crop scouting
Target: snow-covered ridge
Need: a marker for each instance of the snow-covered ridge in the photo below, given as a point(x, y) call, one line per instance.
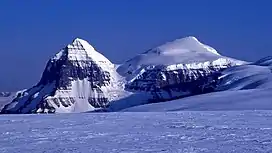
point(267, 61)
point(252, 76)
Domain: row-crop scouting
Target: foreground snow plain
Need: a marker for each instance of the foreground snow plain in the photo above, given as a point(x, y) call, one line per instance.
point(199, 131)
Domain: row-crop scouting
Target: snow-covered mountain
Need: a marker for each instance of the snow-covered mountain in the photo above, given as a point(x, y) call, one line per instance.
point(79, 79)
point(179, 68)
point(76, 79)
point(188, 51)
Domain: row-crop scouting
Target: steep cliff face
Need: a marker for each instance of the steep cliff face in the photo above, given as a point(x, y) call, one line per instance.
point(179, 68)
point(77, 79)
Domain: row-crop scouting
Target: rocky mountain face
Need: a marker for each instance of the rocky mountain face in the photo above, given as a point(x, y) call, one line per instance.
point(80, 79)
point(76, 79)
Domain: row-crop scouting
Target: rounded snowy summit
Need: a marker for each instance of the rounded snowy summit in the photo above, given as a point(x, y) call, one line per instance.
point(185, 45)
point(180, 51)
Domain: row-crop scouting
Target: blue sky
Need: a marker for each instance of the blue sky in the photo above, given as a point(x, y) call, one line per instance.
point(32, 31)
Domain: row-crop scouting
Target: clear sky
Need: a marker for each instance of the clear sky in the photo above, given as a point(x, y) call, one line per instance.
point(31, 31)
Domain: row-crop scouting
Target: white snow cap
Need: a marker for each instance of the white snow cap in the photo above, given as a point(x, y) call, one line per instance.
point(188, 51)
point(80, 49)
point(184, 50)
point(83, 42)
point(187, 44)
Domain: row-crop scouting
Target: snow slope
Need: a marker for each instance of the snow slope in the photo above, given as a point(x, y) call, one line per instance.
point(253, 99)
point(246, 77)
point(267, 61)
point(179, 132)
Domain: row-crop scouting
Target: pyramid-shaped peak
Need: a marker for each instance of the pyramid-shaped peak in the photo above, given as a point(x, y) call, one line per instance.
point(81, 44)
point(80, 40)
point(190, 38)
point(80, 50)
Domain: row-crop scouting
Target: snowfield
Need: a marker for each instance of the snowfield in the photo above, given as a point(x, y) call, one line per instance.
point(254, 99)
point(184, 132)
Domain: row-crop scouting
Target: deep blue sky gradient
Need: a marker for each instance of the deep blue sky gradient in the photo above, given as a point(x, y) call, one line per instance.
point(32, 31)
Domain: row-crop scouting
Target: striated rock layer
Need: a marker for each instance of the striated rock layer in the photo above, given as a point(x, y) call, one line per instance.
point(77, 79)
point(176, 69)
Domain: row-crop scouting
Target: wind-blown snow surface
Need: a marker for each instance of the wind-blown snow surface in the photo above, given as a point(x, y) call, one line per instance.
point(183, 132)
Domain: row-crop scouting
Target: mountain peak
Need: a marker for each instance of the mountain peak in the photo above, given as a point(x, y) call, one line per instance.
point(185, 51)
point(81, 44)
point(192, 38)
point(185, 45)
point(78, 39)
point(81, 50)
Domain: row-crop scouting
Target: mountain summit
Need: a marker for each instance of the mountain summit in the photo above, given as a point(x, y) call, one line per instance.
point(187, 51)
point(185, 45)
